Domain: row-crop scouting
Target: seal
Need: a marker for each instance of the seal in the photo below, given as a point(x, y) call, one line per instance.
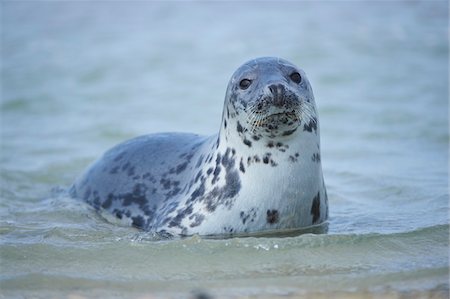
point(261, 173)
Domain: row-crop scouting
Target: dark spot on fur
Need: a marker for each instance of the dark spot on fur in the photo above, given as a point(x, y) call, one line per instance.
point(266, 158)
point(165, 183)
point(233, 184)
point(131, 171)
point(149, 176)
point(224, 195)
point(272, 216)
point(316, 157)
point(243, 217)
point(289, 132)
point(247, 142)
point(114, 170)
point(312, 125)
point(225, 158)
point(228, 229)
point(241, 166)
point(199, 162)
point(138, 222)
point(176, 221)
point(108, 202)
point(137, 196)
point(260, 105)
point(197, 177)
point(216, 174)
point(198, 219)
point(198, 192)
point(174, 191)
point(239, 127)
point(118, 214)
point(218, 159)
point(180, 168)
point(120, 156)
point(249, 216)
point(315, 208)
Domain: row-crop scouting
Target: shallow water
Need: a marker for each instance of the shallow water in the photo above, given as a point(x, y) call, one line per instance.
point(78, 78)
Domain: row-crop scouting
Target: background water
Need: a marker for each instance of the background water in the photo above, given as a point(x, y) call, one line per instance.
point(78, 78)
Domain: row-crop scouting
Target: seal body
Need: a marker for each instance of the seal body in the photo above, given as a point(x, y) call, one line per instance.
point(262, 171)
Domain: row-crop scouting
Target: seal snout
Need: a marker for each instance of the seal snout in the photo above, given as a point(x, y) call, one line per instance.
point(277, 98)
point(277, 108)
point(278, 92)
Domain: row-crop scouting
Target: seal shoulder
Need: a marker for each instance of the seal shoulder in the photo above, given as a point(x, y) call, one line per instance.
point(137, 171)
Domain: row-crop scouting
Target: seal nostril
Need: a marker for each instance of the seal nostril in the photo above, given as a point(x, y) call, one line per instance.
point(273, 89)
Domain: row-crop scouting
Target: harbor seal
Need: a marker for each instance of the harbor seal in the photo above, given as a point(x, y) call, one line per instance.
point(261, 173)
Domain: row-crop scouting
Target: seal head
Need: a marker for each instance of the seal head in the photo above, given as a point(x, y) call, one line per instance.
point(270, 97)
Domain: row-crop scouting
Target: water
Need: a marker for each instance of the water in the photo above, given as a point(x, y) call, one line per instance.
point(78, 78)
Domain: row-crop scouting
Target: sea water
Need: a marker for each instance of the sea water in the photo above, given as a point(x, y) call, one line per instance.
point(78, 78)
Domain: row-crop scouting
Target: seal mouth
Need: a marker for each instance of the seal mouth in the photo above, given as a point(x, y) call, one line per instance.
point(287, 118)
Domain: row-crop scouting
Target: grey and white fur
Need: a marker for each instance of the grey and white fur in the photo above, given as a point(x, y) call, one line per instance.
point(262, 172)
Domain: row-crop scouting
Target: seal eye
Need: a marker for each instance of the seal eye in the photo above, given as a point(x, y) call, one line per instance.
point(296, 77)
point(245, 83)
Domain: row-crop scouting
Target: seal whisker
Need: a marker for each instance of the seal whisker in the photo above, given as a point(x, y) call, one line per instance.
point(255, 121)
point(307, 112)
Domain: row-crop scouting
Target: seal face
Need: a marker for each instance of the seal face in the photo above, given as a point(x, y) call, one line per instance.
point(261, 172)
